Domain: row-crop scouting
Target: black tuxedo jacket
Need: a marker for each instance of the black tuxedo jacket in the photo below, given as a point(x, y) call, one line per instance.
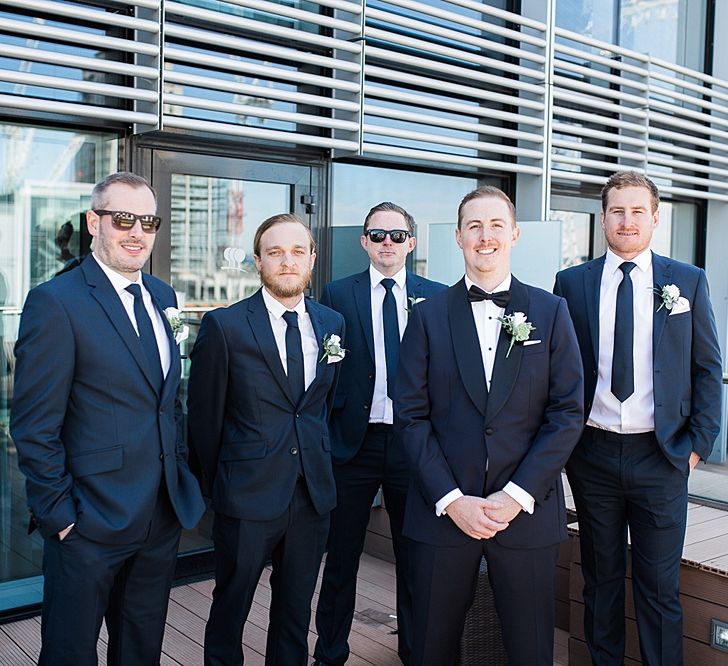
point(351, 296)
point(94, 437)
point(523, 430)
point(687, 369)
point(246, 429)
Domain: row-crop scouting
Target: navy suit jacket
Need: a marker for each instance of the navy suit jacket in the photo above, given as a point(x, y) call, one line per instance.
point(687, 368)
point(523, 430)
point(352, 297)
point(94, 438)
point(246, 429)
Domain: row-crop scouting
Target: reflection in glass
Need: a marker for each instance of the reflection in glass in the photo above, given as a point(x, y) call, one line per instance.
point(575, 234)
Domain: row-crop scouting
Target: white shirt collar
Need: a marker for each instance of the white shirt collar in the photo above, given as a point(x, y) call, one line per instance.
point(276, 308)
point(400, 277)
point(613, 261)
point(503, 286)
point(118, 281)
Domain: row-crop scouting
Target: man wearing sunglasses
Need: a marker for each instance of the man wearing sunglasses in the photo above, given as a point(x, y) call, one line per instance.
point(96, 422)
point(375, 305)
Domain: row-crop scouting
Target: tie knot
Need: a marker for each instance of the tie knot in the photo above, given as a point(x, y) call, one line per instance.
point(291, 317)
point(387, 283)
point(135, 290)
point(627, 266)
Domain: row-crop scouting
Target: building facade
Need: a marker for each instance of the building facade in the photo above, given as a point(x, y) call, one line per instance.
point(240, 109)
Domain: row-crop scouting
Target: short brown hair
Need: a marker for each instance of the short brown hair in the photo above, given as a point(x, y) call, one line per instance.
point(486, 191)
point(281, 218)
point(622, 179)
point(98, 194)
point(389, 206)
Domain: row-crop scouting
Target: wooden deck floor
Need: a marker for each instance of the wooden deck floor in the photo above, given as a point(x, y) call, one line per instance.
point(371, 640)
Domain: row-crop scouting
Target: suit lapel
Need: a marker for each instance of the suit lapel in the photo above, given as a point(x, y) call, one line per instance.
point(661, 276)
point(315, 314)
point(505, 370)
point(259, 321)
point(592, 287)
point(414, 290)
point(465, 344)
point(175, 367)
point(363, 300)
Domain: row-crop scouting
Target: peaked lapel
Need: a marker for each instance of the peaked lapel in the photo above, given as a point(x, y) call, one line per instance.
point(105, 294)
point(175, 366)
point(466, 345)
point(259, 322)
point(505, 370)
point(661, 276)
point(363, 300)
point(592, 287)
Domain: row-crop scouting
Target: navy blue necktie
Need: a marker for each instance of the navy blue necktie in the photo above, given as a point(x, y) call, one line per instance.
point(391, 333)
point(147, 336)
point(623, 352)
point(294, 355)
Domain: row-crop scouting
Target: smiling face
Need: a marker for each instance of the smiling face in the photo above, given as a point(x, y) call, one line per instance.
point(285, 261)
point(387, 257)
point(125, 251)
point(629, 221)
point(486, 234)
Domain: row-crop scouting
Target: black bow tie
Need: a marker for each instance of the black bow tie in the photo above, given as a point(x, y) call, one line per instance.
point(500, 298)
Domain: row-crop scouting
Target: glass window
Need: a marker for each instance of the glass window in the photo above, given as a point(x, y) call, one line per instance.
point(591, 18)
point(46, 177)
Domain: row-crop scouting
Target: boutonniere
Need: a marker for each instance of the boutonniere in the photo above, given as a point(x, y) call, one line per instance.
point(669, 295)
point(518, 327)
point(180, 330)
point(333, 351)
point(413, 300)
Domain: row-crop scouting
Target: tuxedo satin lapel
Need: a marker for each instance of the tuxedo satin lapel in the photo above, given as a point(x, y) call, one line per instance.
point(592, 286)
point(259, 321)
point(363, 300)
point(661, 276)
point(466, 346)
point(505, 370)
point(105, 294)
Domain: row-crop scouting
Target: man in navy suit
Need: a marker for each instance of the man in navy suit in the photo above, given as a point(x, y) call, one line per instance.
point(652, 394)
point(366, 455)
point(488, 403)
point(97, 424)
point(261, 386)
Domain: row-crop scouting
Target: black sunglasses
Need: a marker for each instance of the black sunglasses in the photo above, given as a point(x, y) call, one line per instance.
point(124, 221)
point(397, 235)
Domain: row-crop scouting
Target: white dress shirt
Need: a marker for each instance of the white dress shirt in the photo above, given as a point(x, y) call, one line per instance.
point(120, 283)
point(488, 327)
point(381, 410)
point(636, 413)
point(308, 337)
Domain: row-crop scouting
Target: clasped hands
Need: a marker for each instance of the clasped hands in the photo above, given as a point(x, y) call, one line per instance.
point(482, 518)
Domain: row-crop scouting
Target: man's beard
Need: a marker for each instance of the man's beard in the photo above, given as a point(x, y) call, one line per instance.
point(285, 287)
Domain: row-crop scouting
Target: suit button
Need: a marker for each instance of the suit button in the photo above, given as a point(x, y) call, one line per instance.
point(489, 431)
point(294, 450)
point(298, 416)
point(161, 456)
point(371, 376)
point(366, 406)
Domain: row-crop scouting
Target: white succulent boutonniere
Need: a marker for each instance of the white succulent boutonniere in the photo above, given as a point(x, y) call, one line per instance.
point(333, 351)
point(669, 295)
point(518, 327)
point(180, 330)
point(414, 300)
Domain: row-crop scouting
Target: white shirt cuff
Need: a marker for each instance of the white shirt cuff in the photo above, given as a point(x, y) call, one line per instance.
point(445, 501)
point(520, 495)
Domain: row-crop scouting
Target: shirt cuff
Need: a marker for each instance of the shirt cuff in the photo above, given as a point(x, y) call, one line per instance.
point(447, 500)
point(520, 495)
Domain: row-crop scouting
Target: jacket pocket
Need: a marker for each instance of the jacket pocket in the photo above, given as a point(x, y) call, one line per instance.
point(243, 450)
point(96, 462)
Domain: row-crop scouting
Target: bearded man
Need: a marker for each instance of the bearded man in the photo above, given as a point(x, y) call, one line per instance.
point(261, 387)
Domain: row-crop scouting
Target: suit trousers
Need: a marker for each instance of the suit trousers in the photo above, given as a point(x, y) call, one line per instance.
point(379, 461)
point(128, 584)
point(620, 481)
point(294, 543)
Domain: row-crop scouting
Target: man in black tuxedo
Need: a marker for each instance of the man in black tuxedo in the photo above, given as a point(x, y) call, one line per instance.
point(488, 403)
point(97, 424)
point(261, 386)
point(652, 393)
point(375, 305)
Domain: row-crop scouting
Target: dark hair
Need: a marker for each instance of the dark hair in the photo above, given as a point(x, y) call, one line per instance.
point(487, 191)
point(98, 194)
point(281, 218)
point(389, 206)
point(622, 179)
